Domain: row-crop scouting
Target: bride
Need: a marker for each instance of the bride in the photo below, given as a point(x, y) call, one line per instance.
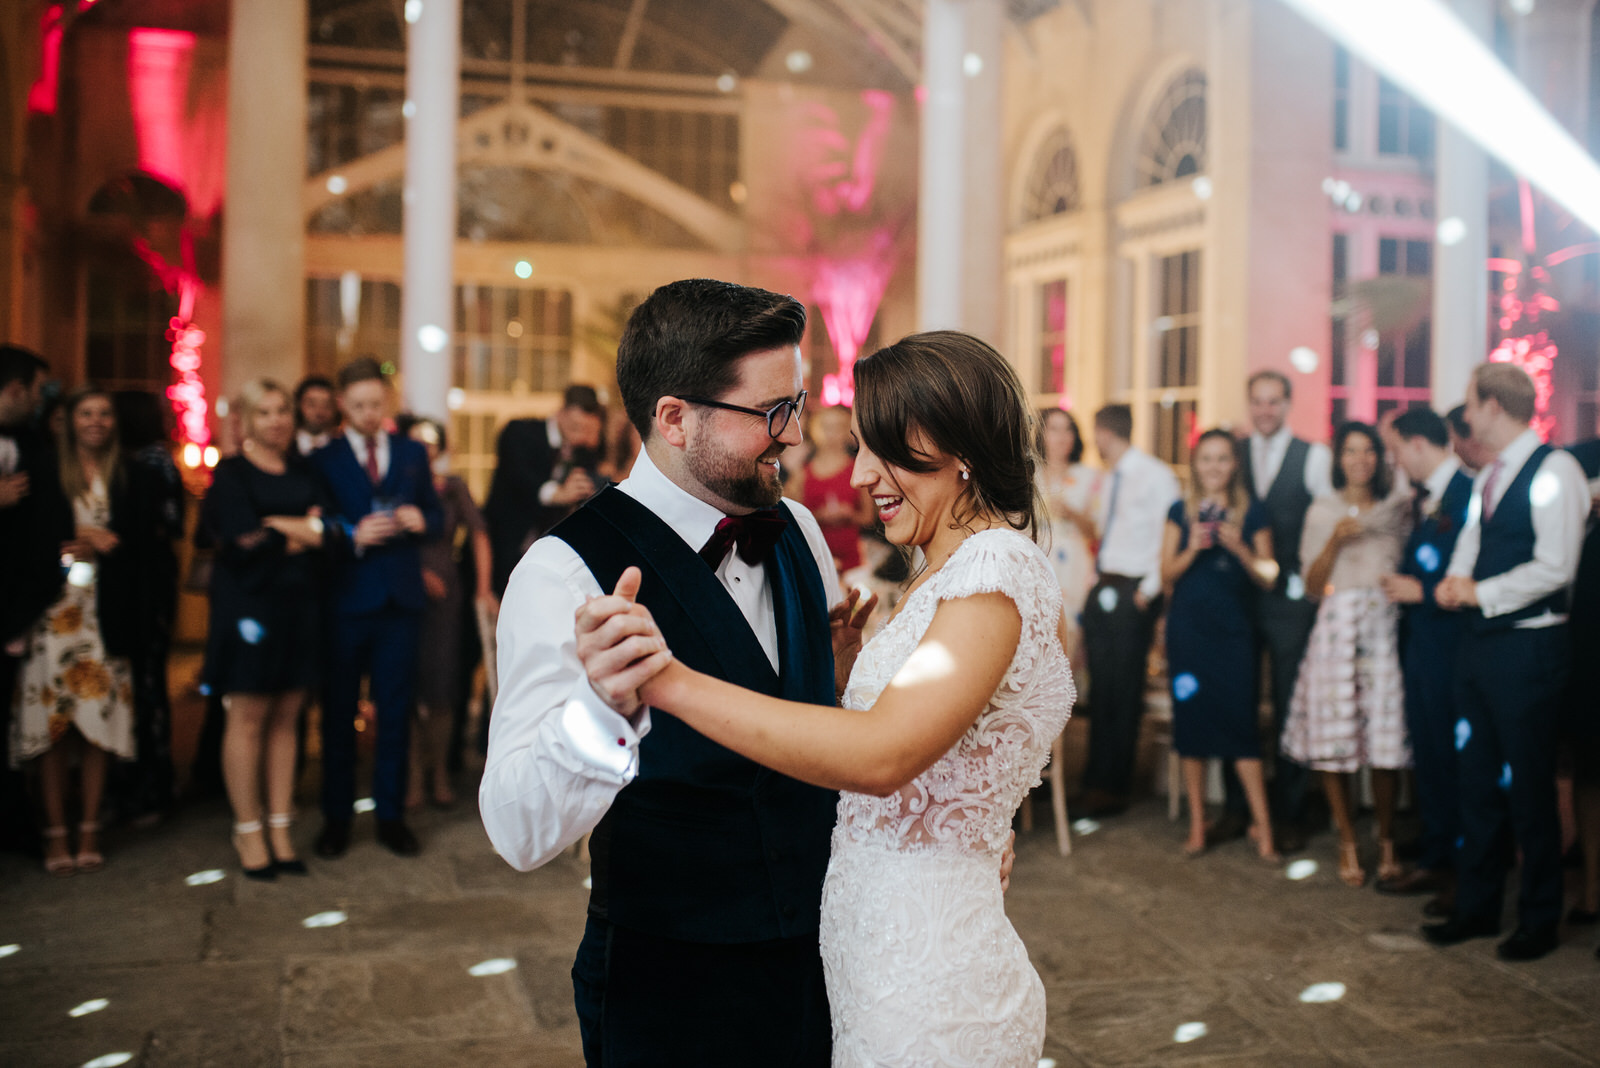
point(945, 724)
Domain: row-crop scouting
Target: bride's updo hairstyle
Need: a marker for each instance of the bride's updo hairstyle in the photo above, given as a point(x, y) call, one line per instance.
point(968, 403)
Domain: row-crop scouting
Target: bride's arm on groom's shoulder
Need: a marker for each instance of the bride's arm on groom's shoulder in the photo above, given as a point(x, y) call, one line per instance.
point(558, 752)
point(934, 698)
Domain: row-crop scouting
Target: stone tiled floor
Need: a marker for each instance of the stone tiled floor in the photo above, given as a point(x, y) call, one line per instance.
point(1137, 946)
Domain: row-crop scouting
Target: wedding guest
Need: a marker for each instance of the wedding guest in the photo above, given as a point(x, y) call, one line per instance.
point(1285, 473)
point(1583, 721)
point(74, 698)
point(1430, 638)
point(1215, 543)
point(823, 485)
point(144, 789)
point(264, 515)
point(35, 518)
point(381, 491)
point(1120, 616)
point(1071, 490)
point(1469, 452)
point(622, 448)
point(1348, 711)
point(316, 414)
point(1510, 575)
point(439, 672)
point(543, 469)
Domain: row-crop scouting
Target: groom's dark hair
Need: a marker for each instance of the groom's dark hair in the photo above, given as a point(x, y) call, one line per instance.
point(686, 339)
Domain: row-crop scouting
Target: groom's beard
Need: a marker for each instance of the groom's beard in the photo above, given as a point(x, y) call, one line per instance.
point(738, 480)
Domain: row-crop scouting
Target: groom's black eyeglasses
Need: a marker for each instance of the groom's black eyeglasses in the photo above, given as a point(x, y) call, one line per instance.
point(777, 416)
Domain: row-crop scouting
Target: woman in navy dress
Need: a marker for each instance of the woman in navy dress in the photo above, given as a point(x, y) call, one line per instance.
point(1216, 542)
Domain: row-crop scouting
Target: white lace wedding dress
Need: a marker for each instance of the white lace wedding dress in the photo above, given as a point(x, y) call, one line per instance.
point(922, 966)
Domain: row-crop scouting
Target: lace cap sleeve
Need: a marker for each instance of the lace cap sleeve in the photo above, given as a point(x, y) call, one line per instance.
point(999, 561)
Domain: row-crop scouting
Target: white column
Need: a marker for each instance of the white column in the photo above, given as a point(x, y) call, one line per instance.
point(940, 233)
point(960, 271)
point(433, 66)
point(983, 240)
point(1460, 269)
point(263, 240)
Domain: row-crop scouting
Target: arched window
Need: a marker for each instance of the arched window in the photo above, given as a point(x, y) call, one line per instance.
point(1053, 185)
point(1173, 144)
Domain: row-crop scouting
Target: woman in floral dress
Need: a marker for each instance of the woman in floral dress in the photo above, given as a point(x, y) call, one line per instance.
point(74, 702)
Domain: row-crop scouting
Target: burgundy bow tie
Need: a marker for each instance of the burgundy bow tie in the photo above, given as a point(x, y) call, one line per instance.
point(755, 535)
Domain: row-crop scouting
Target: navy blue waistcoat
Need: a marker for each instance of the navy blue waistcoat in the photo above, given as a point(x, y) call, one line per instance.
point(1506, 540)
point(705, 845)
point(1286, 501)
point(1427, 556)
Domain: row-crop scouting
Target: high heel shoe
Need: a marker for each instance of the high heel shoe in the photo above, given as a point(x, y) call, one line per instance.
point(1389, 868)
point(1264, 848)
point(88, 860)
point(1350, 871)
point(268, 871)
point(61, 866)
point(286, 865)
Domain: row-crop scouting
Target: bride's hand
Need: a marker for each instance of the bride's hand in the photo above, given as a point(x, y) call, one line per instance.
point(1007, 859)
point(846, 622)
point(619, 644)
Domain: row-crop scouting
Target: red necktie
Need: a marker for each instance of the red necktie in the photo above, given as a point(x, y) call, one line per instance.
point(372, 458)
point(755, 535)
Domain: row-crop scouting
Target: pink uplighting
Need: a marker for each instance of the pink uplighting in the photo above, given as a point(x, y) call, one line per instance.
point(848, 293)
point(158, 76)
point(42, 94)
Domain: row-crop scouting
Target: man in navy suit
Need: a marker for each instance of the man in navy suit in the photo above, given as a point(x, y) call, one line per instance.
point(1430, 638)
point(382, 487)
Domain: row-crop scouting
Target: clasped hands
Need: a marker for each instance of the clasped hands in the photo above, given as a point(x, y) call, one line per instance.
point(379, 527)
point(623, 652)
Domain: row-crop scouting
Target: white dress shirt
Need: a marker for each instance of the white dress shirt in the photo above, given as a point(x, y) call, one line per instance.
point(548, 491)
point(1134, 500)
point(1435, 484)
point(358, 444)
point(1266, 457)
point(307, 442)
point(558, 754)
point(1559, 496)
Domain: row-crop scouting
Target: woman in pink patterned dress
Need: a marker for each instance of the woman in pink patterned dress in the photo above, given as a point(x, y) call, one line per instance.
point(1348, 710)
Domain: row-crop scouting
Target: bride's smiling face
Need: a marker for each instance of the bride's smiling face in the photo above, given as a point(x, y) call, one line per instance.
point(914, 506)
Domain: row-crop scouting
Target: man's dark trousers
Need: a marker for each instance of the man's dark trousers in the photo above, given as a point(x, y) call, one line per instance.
point(1510, 691)
point(1116, 638)
point(383, 645)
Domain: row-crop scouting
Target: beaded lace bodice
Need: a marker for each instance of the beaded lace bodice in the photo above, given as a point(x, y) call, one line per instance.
point(965, 801)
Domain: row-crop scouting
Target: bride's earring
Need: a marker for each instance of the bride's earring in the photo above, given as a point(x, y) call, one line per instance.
point(965, 474)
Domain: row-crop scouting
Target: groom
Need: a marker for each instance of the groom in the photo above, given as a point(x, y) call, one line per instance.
point(701, 942)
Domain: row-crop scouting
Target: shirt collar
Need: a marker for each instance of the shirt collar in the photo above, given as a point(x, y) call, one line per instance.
point(690, 518)
point(359, 440)
point(1514, 455)
point(1276, 441)
point(553, 433)
point(1436, 483)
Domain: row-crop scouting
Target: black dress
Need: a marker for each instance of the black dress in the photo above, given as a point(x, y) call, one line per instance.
point(1211, 652)
point(266, 603)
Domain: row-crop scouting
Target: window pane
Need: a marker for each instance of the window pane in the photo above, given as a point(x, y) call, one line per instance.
point(1419, 343)
point(1336, 347)
point(1388, 256)
point(1419, 258)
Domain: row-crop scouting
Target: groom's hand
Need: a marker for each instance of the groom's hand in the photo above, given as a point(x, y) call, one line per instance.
point(619, 644)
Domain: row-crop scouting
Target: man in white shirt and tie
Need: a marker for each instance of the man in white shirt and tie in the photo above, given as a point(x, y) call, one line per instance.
point(1285, 473)
point(1511, 574)
point(1120, 614)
